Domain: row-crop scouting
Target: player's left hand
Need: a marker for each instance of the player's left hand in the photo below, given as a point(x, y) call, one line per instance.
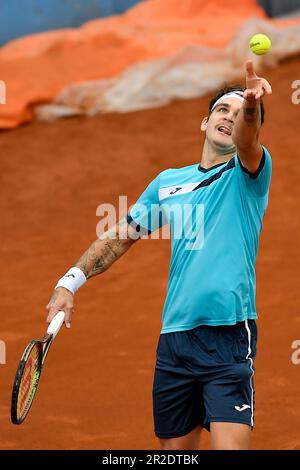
point(256, 87)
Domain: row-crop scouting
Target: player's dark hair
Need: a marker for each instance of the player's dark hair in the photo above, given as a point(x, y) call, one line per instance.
point(229, 89)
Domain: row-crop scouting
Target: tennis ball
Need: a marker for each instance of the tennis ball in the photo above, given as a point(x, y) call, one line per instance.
point(260, 44)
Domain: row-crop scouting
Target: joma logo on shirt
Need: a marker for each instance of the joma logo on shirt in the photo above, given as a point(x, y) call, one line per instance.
point(175, 191)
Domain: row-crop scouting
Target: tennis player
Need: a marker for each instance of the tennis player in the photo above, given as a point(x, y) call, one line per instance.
point(204, 368)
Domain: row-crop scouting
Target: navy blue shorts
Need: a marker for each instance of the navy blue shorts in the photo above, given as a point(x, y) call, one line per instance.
point(204, 375)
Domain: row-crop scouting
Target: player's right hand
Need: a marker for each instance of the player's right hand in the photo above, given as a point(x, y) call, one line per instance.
point(62, 299)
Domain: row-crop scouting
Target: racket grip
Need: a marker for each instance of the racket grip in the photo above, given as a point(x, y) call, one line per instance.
point(56, 323)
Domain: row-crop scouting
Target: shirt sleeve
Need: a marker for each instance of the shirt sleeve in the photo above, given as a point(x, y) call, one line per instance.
point(145, 215)
point(256, 184)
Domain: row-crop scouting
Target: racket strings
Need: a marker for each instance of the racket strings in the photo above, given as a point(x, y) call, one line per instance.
point(29, 381)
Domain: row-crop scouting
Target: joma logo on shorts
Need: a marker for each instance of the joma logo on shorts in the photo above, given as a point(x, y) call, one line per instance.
point(242, 408)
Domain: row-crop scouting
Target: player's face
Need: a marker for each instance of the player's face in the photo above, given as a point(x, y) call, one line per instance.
point(219, 125)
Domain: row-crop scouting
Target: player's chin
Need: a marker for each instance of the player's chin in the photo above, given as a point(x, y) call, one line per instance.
point(224, 141)
point(225, 138)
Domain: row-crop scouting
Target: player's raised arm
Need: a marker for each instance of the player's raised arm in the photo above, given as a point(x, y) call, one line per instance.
point(246, 129)
point(102, 253)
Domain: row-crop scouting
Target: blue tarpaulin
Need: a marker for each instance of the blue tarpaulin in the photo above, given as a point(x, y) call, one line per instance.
point(19, 18)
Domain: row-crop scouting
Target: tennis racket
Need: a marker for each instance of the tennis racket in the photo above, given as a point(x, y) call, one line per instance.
point(29, 370)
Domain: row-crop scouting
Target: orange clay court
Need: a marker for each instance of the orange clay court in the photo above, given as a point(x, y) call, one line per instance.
point(96, 387)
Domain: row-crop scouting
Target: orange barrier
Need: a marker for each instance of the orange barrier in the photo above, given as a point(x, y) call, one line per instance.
point(37, 67)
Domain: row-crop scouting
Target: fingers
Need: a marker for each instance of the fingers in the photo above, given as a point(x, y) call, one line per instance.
point(61, 299)
point(258, 92)
point(68, 316)
point(52, 311)
point(250, 69)
point(255, 83)
point(253, 95)
point(267, 87)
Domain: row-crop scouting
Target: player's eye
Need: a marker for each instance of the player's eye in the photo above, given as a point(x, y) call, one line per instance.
point(222, 108)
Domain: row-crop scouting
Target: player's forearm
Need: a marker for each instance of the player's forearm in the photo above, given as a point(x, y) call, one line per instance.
point(97, 259)
point(247, 126)
point(101, 255)
point(107, 249)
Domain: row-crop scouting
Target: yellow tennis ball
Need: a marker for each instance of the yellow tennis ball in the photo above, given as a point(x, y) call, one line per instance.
point(260, 44)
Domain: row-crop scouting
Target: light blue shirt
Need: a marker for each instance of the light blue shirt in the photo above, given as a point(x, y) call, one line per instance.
point(215, 217)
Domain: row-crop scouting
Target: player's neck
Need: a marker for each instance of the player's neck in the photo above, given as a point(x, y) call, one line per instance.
point(212, 155)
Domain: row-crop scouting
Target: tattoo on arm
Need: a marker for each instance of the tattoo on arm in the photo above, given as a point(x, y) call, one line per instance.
point(82, 263)
point(100, 256)
point(250, 115)
point(108, 255)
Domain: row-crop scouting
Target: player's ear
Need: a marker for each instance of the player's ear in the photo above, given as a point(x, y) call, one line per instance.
point(204, 124)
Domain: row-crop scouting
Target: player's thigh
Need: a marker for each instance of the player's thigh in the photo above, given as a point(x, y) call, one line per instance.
point(230, 436)
point(190, 441)
point(178, 406)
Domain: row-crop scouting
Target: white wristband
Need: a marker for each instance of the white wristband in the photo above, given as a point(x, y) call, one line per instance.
point(72, 280)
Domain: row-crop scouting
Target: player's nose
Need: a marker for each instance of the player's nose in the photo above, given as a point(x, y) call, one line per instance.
point(229, 118)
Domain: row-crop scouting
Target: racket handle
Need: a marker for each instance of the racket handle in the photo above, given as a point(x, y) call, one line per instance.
point(56, 323)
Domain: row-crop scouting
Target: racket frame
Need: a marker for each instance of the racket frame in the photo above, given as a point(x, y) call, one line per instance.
point(43, 345)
